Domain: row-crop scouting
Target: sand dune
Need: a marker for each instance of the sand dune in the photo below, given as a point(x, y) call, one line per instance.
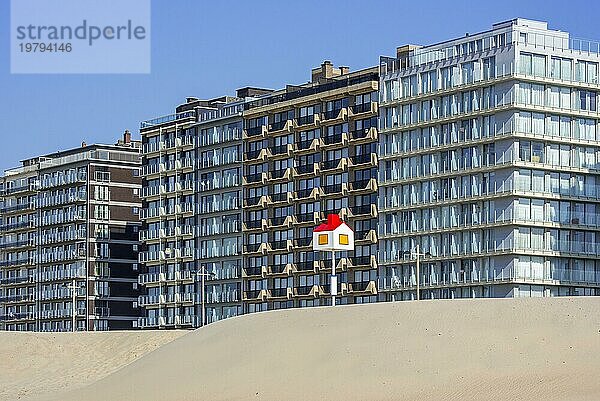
point(509, 349)
point(45, 363)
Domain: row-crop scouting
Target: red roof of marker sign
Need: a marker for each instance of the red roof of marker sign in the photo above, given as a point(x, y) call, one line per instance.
point(333, 222)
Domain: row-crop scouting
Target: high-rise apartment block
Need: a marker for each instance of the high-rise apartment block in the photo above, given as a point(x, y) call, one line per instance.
point(489, 154)
point(309, 151)
point(69, 240)
point(192, 261)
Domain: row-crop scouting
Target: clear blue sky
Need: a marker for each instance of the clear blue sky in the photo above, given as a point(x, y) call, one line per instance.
point(210, 48)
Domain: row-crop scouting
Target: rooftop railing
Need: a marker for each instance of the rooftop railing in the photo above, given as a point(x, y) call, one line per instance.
point(167, 119)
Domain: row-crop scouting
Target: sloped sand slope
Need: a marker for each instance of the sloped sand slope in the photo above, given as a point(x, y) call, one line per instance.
point(46, 363)
point(524, 349)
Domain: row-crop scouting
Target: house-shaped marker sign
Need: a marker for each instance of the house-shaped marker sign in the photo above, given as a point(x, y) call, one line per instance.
point(335, 235)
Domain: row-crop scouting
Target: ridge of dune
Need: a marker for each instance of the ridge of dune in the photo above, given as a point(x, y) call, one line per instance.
point(34, 364)
point(475, 349)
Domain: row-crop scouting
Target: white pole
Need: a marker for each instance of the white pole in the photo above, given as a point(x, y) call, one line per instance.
point(333, 286)
point(203, 301)
point(418, 256)
point(74, 300)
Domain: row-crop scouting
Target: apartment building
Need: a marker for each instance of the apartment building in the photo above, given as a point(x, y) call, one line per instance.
point(69, 239)
point(310, 150)
point(489, 162)
point(192, 213)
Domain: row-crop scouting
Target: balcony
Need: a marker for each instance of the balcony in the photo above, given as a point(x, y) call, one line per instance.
point(260, 271)
point(18, 189)
point(306, 291)
point(307, 266)
point(188, 116)
point(15, 208)
point(282, 150)
point(184, 297)
point(362, 287)
point(17, 226)
point(63, 218)
point(341, 265)
point(147, 256)
point(185, 186)
point(16, 262)
point(61, 313)
point(255, 132)
point(369, 185)
point(364, 110)
point(146, 300)
point(186, 320)
point(280, 269)
point(308, 122)
point(364, 135)
point(63, 179)
point(335, 116)
point(255, 225)
point(62, 274)
point(258, 178)
point(16, 244)
point(16, 280)
point(184, 231)
point(17, 298)
point(222, 297)
point(369, 158)
point(364, 210)
point(280, 293)
point(254, 295)
point(340, 165)
point(303, 242)
point(332, 189)
point(261, 248)
point(17, 316)
point(308, 146)
point(281, 127)
point(336, 139)
point(281, 221)
point(312, 169)
point(341, 290)
point(148, 278)
point(285, 197)
point(366, 235)
point(55, 237)
point(256, 155)
point(60, 199)
point(184, 208)
point(310, 217)
point(367, 261)
point(145, 322)
point(309, 193)
point(278, 174)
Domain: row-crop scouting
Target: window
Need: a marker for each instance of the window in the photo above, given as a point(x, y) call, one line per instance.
point(101, 193)
point(102, 176)
point(101, 212)
point(532, 64)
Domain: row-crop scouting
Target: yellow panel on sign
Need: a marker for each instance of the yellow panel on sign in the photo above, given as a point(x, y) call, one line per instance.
point(344, 239)
point(323, 239)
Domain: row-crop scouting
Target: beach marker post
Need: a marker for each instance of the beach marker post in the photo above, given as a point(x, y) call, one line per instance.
point(333, 236)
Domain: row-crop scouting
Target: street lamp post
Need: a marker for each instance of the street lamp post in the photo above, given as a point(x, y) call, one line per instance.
point(73, 287)
point(202, 273)
point(418, 256)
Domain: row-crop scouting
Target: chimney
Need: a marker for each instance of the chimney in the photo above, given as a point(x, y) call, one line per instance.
point(83, 144)
point(127, 137)
point(327, 71)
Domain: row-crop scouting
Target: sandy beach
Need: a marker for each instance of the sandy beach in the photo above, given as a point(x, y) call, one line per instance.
point(32, 364)
point(484, 349)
